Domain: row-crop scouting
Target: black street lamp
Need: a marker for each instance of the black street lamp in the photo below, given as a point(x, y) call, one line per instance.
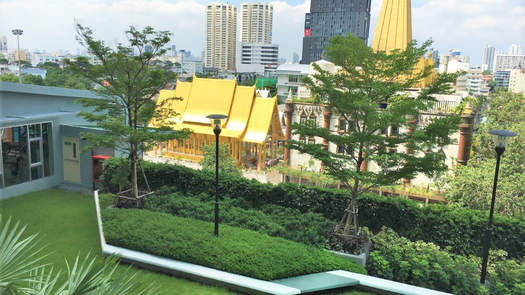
point(217, 121)
point(18, 32)
point(501, 140)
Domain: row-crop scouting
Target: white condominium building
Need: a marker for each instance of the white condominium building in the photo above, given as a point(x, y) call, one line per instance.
point(257, 21)
point(221, 31)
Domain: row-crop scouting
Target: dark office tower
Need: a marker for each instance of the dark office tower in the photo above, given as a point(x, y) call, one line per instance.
point(328, 18)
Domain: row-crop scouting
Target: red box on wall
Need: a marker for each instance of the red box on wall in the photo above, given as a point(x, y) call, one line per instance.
point(97, 168)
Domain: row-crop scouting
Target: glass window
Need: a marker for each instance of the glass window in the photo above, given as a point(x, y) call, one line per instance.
point(47, 148)
point(15, 158)
point(27, 153)
point(34, 131)
point(34, 146)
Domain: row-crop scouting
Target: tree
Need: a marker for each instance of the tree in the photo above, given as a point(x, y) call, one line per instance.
point(127, 84)
point(26, 79)
point(3, 61)
point(486, 72)
point(366, 80)
point(471, 185)
point(33, 79)
point(226, 162)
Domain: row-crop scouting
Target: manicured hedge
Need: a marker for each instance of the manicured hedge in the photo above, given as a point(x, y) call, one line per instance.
point(461, 229)
point(426, 265)
point(277, 221)
point(236, 250)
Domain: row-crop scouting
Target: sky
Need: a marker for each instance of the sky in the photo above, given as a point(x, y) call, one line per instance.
point(466, 25)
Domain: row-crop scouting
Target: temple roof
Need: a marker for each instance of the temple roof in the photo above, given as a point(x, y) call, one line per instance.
point(249, 115)
point(394, 26)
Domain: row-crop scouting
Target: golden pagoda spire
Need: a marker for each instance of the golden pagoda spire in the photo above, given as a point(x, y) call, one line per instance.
point(394, 26)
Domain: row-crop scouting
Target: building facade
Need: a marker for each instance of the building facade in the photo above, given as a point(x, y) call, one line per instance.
point(508, 62)
point(192, 65)
point(517, 81)
point(3, 43)
point(502, 78)
point(256, 22)
point(41, 145)
point(328, 18)
point(263, 56)
point(488, 58)
point(221, 32)
point(514, 50)
point(289, 82)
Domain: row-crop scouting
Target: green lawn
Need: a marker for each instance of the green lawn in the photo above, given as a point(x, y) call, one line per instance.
point(66, 223)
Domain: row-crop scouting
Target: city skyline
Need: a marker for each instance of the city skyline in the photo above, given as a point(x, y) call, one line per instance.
point(466, 25)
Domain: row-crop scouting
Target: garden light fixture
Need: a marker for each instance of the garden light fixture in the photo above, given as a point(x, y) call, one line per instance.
point(217, 120)
point(501, 140)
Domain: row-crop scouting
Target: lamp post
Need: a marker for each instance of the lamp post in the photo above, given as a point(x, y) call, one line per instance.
point(216, 123)
point(18, 32)
point(501, 140)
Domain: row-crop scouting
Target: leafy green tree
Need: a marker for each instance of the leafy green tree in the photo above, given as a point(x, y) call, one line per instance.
point(471, 185)
point(3, 61)
point(167, 65)
point(366, 80)
point(9, 78)
point(48, 64)
point(25, 64)
point(26, 79)
point(486, 72)
point(226, 162)
point(33, 79)
point(128, 84)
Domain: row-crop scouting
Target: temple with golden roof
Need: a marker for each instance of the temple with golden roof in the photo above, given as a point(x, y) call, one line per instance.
point(252, 129)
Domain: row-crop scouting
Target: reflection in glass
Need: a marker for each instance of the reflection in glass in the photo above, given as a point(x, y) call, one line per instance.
point(15, 158)
point(47, 147)
point(35, 151)
point(36, 172)
point(34, 131)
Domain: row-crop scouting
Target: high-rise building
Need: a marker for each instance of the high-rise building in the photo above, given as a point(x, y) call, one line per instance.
point(488, 58)
point(504, 62)
point(3, 43)
point(328, 18)
point(221, 31)
point(295, 58)
point(173, 50)
point(256, 22)
point(514, 50)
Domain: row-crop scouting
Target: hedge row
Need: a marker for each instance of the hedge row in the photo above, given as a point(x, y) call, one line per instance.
point(461, 229)
point(276, 221)
point(426, 265)
point(236, 250)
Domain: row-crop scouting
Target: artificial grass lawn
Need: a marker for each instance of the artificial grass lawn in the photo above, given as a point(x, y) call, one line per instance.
point(66, 223)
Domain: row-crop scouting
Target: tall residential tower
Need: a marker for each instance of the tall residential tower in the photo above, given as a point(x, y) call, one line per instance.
point(221, 31)
point(328, 18)
point(256, 22)
point(488, 58)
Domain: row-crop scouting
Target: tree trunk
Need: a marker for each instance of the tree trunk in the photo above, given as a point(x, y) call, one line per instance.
point(134, 185)
point(351, 218)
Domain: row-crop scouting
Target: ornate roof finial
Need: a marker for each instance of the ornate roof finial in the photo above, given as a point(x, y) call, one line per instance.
point(468, 109)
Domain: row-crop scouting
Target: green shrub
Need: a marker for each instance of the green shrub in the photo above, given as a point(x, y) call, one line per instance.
point(307, 228)
point(426, 265)
point(236, 250)
point(461, 229)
